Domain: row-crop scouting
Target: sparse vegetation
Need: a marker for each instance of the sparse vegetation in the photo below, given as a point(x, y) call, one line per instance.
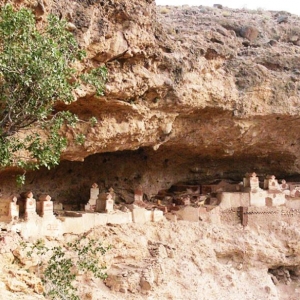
point(58, 273)
point(164, 10)
point(226, 13)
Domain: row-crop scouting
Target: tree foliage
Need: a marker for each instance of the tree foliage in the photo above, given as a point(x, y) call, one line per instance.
point(35, 73)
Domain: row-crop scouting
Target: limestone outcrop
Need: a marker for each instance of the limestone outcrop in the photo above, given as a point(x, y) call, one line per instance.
point(203, 82)
point(167, 260)
point(194, 94)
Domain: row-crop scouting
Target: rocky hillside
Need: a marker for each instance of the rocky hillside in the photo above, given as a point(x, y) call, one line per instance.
point(184, 260)
point(194, 94)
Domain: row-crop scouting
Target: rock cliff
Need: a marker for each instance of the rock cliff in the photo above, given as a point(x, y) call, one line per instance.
point(194, 94)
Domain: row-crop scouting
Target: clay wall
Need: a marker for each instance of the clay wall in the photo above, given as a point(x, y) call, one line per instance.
point(230, 216)
point(262, 216)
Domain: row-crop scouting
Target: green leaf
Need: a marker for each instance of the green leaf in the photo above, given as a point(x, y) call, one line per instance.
point(35, 73)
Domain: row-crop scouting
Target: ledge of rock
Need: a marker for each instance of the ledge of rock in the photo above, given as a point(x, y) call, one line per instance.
point(194, 93)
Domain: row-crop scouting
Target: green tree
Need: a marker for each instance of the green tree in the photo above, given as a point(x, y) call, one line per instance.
point(35, 73)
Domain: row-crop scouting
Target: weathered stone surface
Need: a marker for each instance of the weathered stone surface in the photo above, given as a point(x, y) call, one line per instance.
point(249, 32)
point(166, 259)
point(188, 98)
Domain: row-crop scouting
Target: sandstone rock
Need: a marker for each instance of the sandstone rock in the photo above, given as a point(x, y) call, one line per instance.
point(71, 26)
point(196, 92)
point(249, 32)
point(17, 286)
point(9, 242)
point(233, 105)
point(222, 257)
point(23, 281)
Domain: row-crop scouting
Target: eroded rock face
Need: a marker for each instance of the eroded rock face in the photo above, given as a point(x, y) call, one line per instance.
point(194, 93)
point(182, 260)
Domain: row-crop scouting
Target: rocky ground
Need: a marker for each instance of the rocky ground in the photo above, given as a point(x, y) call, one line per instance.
point(182, 260)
